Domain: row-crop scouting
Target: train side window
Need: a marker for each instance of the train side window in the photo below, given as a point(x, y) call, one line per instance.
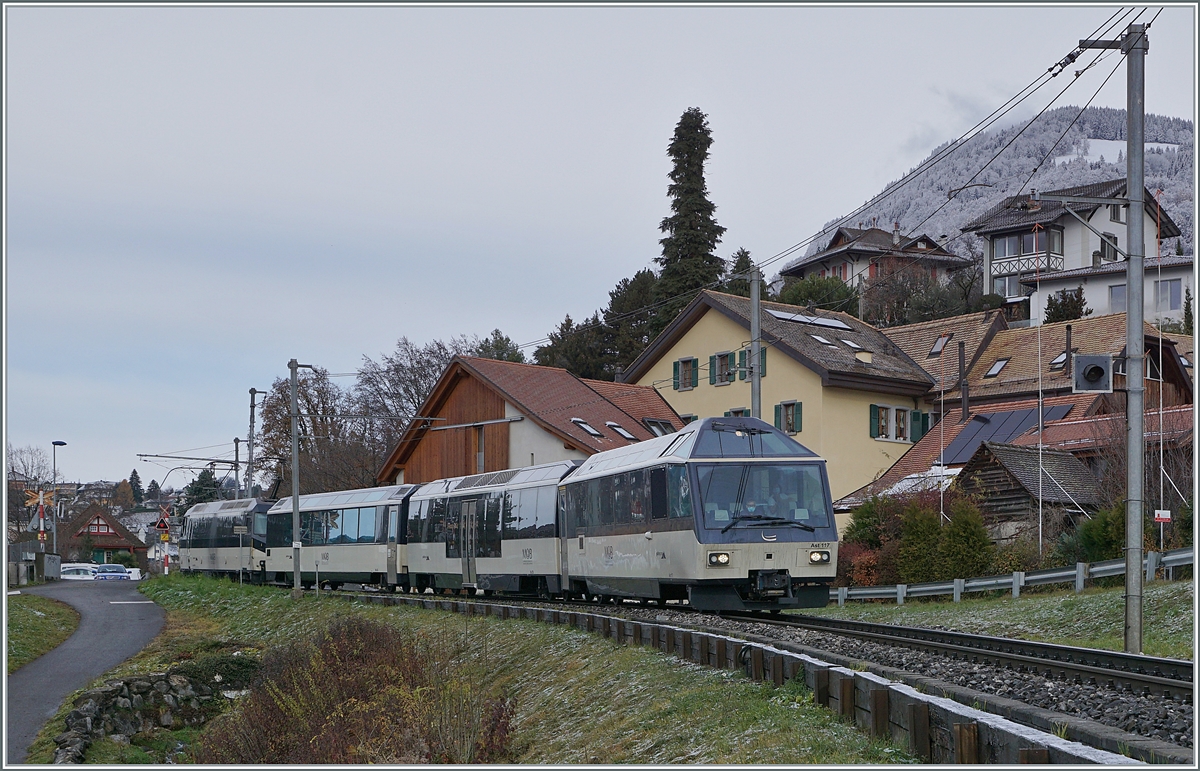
point(638, 497)
point(393, 523)
point(435, 531)
point(508, 515)
point(334, 533)
point(366, 524)
point(489, 520)
point(679, 492)
point(592, 504)
point(417, 521)
point(545, 512)
point(524, 510)
point(621, 499)
point(451, 532)
point(606, 501)
point(658, 493)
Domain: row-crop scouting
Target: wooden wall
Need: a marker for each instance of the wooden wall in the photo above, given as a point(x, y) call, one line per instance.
point(452, 453)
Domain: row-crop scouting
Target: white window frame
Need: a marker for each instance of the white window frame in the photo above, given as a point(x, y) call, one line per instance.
point(891, 435)
point(1124, 305)
point(1158, 303)
point(787, 415)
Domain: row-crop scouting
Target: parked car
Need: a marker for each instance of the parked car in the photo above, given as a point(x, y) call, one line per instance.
point(110, 572)
point(77, 571)
point(135, 574)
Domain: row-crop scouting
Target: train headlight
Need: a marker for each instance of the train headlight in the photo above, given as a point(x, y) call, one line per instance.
point(718, 558)
point(818, 557)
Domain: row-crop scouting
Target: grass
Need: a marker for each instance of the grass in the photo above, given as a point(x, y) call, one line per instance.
point(1092, 619)
point(36, 625)
point(579, 698)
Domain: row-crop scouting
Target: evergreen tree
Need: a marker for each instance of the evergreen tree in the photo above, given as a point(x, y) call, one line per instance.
point(153, 491)
point(1188, 329)
point(626, 324)
point(579, 349)
point(499, 346)
point(1178, 247)
point(919, 545)
point(202, 489)
point(742, 265)
point(689, 260)
point(1066, 305)
point(135, 484)
point(965, 550)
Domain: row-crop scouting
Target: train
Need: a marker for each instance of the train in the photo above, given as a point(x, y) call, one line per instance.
point(728, 514)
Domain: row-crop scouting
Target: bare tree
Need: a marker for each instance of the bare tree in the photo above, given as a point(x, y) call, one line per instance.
point(30, 462)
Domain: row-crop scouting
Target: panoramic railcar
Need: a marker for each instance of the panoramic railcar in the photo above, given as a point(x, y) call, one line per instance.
point(489, 532)
point(210, 544)
point(352, 536)
point(727, 513)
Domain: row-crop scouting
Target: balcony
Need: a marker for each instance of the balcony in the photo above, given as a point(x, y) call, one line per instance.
point(1027, 263)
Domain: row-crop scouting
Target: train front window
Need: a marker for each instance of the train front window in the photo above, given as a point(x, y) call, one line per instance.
point(764, 494)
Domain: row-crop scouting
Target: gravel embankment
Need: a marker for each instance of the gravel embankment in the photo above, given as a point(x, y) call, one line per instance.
point(1151, 716)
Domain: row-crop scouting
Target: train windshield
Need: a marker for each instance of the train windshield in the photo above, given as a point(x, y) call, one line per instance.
point(763, 495)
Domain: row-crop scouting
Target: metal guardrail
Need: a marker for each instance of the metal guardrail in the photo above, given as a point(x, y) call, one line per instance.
point(1078, 574)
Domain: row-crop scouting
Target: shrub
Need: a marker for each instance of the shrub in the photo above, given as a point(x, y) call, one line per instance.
point(874, 522)
point(1020, 554)
point(364, 692)
point(1103, 536)
point(124, 558)
point(966, 548)
point(919, 545)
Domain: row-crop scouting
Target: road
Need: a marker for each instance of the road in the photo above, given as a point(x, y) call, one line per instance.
point(115, 622)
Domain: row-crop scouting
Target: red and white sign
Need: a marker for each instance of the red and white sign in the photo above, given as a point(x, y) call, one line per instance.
point(1162, 515)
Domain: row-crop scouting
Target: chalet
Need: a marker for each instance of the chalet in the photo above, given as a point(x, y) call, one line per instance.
point(487, 415)
point(1004, 479)
point(1065, 245)
point(838, 385)
point(95, 535)
point(856, 255)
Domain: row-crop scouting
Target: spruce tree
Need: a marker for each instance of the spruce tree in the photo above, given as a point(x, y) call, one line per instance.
point(1187, 312)
point(689, 260)
point(966, 549)
point(135, 483)
point(626, 322)
point(1066, 305)
point(153, 491)
point(736, 283)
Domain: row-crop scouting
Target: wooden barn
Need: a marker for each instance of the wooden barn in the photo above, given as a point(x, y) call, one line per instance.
point(487, 415)
point(1003, 478)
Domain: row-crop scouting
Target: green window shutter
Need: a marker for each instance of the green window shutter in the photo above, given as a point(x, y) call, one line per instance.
point(675, 376)
point(874, 421)
point(742, 364)
point(762, 362)
point(799, 417)
point(779, 416)
point(728, 413)
point(732, 363)
point(924, 423)
point(914, 426)
point(695, 372)
point(712, 370)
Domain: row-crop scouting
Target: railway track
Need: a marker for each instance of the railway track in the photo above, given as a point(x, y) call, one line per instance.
point(1172, 678)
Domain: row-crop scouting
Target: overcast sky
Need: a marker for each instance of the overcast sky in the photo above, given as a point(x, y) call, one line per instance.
point(194, 196)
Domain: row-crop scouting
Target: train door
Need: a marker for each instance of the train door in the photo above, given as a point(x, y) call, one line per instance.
point(468, 534)
point(392, 539)
point(564, 538)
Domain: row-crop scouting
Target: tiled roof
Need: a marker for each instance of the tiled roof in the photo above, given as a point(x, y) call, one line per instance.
point(837, 362)
point(84, 518)
point(1066, 479)
point(1081, 434)
point(1111, 268)
point(925, 453)
point(1016, 211)
point(876, 242)
point(1091, 335)
point(553, 396)
point(917, 340)
point(1183, 344)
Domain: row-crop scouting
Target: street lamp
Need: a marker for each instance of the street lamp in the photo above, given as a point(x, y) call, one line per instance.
point(54, 489)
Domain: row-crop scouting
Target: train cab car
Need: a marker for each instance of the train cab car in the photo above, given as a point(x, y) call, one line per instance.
point(727, 513)
point(488, 532)
point(220, 538)
point(350, 536)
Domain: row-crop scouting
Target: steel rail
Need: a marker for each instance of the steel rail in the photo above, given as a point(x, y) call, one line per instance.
point(1172, 678)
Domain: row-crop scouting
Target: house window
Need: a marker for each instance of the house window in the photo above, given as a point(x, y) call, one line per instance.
point(883, 422)
point(901, 424)
point(996, 368)
point(1007, 287)
point(738, 412)
point(1108, 247)
point(822, 340)
point(1167, 295)
point(1114, 212)
point(721, 368)
point(1004, 247)
point(1116, 298)
point(897, 423)
point(789, 417)
point(659, 427)
point(686, 374)
point(93, 528)
point(852, 345)
point(940, 344)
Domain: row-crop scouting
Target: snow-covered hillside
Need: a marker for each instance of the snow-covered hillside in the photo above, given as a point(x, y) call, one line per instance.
point(921, 203)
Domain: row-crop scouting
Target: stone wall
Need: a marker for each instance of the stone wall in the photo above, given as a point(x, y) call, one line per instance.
point(122, 708)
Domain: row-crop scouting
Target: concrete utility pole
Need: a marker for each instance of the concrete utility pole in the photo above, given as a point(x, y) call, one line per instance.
point(237, 483)
point(1134, 44)
point(755, 343)
point(250, 449)
point(297, 592)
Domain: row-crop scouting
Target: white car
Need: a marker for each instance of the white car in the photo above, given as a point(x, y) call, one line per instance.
point(77, 571)
point(135, 574)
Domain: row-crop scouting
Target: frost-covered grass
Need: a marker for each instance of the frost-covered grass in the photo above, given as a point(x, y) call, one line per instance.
point(579, 698)
point(1093, 619)
point(36, 625)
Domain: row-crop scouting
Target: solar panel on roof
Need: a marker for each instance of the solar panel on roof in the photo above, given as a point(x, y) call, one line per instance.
point(801, 318)
point(997, 427)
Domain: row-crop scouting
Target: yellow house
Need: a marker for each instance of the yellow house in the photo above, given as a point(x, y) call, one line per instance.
point(839, 386)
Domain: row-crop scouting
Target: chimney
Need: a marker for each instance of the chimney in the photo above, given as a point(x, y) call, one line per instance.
point(1096, 259)
point(962, 381)
point(896, 234)
point(1067, 366)
point(866, 357)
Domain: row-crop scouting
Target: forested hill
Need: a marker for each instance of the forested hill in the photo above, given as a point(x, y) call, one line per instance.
point(1076, 161)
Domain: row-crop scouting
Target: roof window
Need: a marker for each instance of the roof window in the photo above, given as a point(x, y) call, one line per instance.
point(940, 344)
point(801, 318)
point(584, 425)
point(1059, 362)
point(659, 427)
point(1185, 361)
point(996, 368)
point(822, 340)
point(853, 345)
point(620, 431)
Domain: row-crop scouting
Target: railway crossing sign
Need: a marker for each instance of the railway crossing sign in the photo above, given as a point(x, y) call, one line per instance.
point(165, 537)
point(162, 524)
